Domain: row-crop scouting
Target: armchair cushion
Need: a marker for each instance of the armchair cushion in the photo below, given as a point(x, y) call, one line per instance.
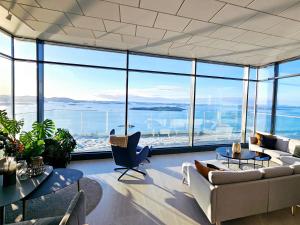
point(120, 141)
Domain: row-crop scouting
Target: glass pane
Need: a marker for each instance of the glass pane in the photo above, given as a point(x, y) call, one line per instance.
point(218, 111)
point(288, 68)
point(85, 56)
point(266, 72)
point(252, 75)
point(159, 108)
point(89, 102)
point(5, 43)
point(288, 108)
point(250, 112)
point(25, 49)
point(264, 106)
point(5, 86)
point(26, 93)
point(219, 70)
point(159, 64)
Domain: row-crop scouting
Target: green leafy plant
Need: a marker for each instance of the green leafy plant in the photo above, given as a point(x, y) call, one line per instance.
point(9, 129)
point(34, 140)
point(66, 140)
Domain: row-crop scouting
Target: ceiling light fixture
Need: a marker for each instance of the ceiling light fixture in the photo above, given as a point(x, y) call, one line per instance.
point(8, 17)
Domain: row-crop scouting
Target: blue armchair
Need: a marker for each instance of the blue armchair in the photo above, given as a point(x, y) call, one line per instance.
point(131, 157)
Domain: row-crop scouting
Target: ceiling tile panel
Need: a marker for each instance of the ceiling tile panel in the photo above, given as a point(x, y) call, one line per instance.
point(292, 12)
point(149, 32)
point(120, 28)
point(261, 22)
point(44, 27)
point(232, 15)
point(200, 9)
point(48, 16)
point(134, 40)
point(137, 16)
point(25, 2)
point(271, 6)
point(170, 22)
point(177, 37)
point(251, 37)
point(227, 33)
point(134, 3)
point(77, 32)
point(86, 22)
point(201, 41)
point(166, 6)
point(101, 9)
point(285, 28)
point(239, 2)
point(108, 36)
point(70, 6)
point(201, 28)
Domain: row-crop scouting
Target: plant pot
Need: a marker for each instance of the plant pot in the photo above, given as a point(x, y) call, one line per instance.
point(36, 166)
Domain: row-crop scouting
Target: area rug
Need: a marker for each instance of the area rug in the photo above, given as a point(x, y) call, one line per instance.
point(57, 203)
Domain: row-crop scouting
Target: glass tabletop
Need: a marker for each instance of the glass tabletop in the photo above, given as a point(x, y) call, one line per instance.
point(227, 153)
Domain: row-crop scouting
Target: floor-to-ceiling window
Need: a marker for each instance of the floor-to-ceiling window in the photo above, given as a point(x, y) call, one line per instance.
point(159, 103)
point(5, 74)
point(218, 109)
point(251, 103)
point(288, 102)
point(264, 98)
point(25, 82)
point(88, 101)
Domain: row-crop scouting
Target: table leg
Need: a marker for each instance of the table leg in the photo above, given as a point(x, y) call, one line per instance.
point(78, 185)
point(239, 163)
point(268, 163)
point(262, 163)
point(254, 164)
point(23, 209)
point(228, 162)
point(2, 215)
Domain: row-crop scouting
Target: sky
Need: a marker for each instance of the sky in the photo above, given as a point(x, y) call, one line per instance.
point(109, 85)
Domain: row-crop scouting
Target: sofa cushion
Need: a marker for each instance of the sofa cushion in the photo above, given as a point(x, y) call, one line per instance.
point(282, 144)
point(289, 160)
point(253, 140)
point(268, 141)
point(296, 168)
point(278, 171)
point(228, 177)
point(258, 137)
point(292, 145)
point(297, 151)
point(276, 153)
point(203, 169)
point(256, 148)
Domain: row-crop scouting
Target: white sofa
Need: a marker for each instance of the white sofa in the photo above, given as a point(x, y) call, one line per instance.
point(229, 195)
point(283, 152)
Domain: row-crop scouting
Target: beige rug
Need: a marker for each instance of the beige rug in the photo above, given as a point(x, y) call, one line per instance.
point(57, 203)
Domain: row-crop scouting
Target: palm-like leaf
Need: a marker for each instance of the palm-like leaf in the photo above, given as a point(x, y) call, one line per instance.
point(10, 126)
point(44, 129)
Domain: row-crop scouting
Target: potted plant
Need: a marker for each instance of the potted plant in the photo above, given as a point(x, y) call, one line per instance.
point(9, 129)
point(34, 140)
point(58, 149)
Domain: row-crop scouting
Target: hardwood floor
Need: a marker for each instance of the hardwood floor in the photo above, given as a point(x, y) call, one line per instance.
point(158, 198)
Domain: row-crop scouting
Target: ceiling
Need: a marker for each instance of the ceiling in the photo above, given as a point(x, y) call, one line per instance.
point(250, 32)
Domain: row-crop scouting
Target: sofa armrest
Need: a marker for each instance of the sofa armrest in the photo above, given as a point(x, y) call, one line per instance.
point(204, 193)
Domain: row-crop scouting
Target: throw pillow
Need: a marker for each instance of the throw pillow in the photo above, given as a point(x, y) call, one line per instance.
point(254, 140)
point(297, 151)
point(202, 169)
point(258, 137)
point(268, 141)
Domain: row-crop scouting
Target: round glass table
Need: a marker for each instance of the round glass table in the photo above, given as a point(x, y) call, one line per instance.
point(245, 154)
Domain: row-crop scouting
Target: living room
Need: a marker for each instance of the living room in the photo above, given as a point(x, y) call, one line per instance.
point(149, 112)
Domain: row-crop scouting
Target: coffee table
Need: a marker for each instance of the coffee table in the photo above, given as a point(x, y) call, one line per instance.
point(245, 154)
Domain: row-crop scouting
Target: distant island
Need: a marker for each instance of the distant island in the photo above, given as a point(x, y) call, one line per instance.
point(162, 108)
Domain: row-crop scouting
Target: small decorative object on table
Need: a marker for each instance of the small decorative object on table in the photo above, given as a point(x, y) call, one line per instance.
point(236, 148)
point(22, 170)
point(36, 166)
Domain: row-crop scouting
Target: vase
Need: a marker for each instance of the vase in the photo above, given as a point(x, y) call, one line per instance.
point(8, 168)
point(36, 166)
point(236, 148)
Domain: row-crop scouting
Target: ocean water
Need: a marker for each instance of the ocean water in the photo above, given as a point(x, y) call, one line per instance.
point(92, 120)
